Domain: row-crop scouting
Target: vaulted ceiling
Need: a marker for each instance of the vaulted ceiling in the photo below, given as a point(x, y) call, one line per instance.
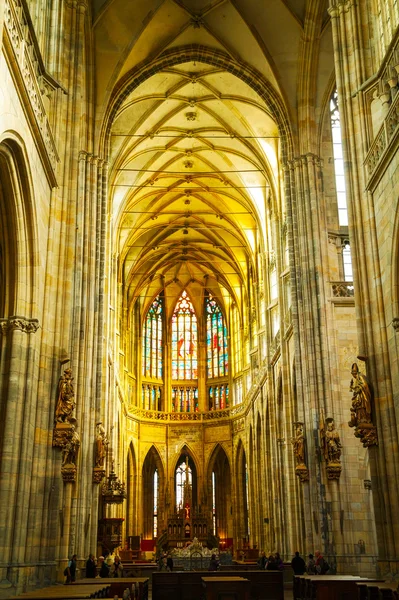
point(194, 150)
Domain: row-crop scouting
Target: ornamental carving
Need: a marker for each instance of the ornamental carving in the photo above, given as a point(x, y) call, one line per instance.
point(361, 408)
point(331, 447)
point(20, 323)
point(298, 442)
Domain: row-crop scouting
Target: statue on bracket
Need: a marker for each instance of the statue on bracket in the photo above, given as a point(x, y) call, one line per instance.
point(65, 435)
point(361, 408)
point(331, 448)
point(299, 452)
point(100, 453)
point(66, 398)
point(70, 456)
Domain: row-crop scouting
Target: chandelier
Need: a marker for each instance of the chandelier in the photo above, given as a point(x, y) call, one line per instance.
point(113, 491)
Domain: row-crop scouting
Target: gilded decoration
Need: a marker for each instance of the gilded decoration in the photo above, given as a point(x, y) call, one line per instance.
point(361, 408)
point(298, 442)
point(331, 448)
point(65, 435)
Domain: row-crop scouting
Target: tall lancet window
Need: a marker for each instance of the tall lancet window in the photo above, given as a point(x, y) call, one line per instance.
point(216, 340)
point(156, 498)
point(338, 160)
point(184, 483)
point(152, 340)
point(184, 340)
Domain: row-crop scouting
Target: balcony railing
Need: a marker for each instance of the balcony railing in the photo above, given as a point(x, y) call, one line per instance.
point(342, 289)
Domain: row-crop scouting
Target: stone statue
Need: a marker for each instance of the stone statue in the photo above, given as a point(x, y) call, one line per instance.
point(101, 445)
point(299, 452)
point(332, 443)
point(299, 444)
point(361, 398)
point(70, 450)
point(66, 398)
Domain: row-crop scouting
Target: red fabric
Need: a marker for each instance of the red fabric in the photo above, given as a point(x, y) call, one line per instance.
point(147, 545)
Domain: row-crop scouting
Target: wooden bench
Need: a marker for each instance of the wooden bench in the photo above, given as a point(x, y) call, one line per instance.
point(377, 590)
point(187, 585)
point(117, 586)
point(229, 588)
point(327, 587)
point(95, 589)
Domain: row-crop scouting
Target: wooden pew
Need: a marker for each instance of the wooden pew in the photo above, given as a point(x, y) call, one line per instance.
point(377, 590)
point(95, 589)
point(217, 588)
point(327, 587)
point(117, 586)
point(187, 585)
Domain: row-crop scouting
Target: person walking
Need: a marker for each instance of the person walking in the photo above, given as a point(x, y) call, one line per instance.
point(91, 567)
point(70, 571)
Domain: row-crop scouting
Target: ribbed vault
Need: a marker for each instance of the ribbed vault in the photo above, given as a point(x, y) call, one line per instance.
point(194, 155)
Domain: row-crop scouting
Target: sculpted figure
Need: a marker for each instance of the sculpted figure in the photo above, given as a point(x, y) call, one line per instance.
point(101, 445)
point(361, 398)
point(332, 443)
point(299, 444)
point(70, 450)
point(66, 397)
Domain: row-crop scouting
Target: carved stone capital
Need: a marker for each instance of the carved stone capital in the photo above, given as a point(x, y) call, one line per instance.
point(69, 473)
point(98, 475)
point(334, 470)
point(302, 472)
point(20, 323)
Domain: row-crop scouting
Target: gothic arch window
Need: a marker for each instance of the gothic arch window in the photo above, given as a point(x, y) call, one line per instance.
point(152, 340)
point(184, 340)
point(184, 483)
point(338, 160)
point(216, 340)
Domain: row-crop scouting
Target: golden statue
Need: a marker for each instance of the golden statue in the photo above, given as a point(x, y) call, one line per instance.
point(70, 450)
point(66, 397)
point(299, 444)
point(101, 445)
point(361, 398)
point(331, 443)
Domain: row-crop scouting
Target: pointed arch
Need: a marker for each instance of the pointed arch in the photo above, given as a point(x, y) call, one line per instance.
point(181, 474)
point(18, 252)
point(152, 463)
point(242, 495)
point(131, 505)
point(219, 488)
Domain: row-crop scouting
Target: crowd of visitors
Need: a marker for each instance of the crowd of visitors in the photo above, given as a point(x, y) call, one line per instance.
point(101, 568)
point(316, 565)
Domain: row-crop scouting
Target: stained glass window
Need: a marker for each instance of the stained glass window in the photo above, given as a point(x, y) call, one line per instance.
point(156, 494)
point(184, 340)
point(184, 399)
point(216, 339)
point(184, 477)
point(218, 397)
point(152, 340)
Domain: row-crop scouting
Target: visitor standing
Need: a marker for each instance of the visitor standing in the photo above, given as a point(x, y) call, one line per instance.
point(298, 564)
